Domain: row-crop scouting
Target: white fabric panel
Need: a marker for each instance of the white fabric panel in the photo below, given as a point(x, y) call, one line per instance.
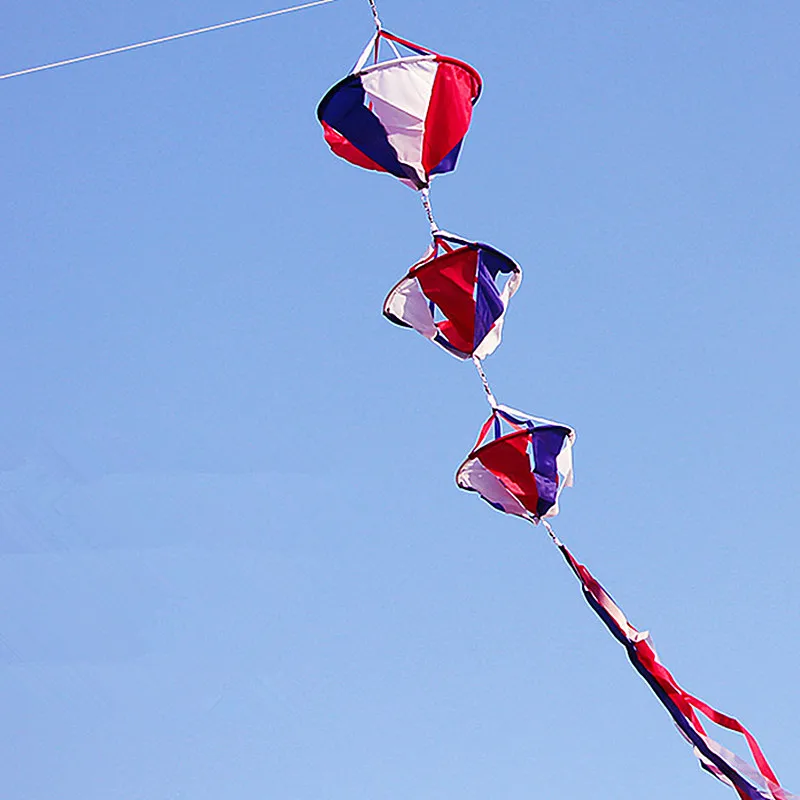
point(473, 475)
point(564, 467)
point(552, 511)
point(492, 339)
point(563, 459)
point(406, 302)
point(400, 92)
point(564, 463)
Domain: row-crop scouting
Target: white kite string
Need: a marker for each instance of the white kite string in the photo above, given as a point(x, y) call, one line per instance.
point(485, 381)
point(426, 204)
point(375, 14)
point(551, 532)
point(165, 39)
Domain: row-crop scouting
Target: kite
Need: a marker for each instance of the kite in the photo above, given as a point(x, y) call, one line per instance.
point(460, 285)
point(408, 117)
point(521, 472)
point(749, 783)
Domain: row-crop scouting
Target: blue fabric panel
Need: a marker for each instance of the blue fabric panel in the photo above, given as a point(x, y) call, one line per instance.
point(547, 441)
point(448, 163)
point(488, 305)
point(442, 342)
point(344, 110)
point(548, 490)
point(496, 262)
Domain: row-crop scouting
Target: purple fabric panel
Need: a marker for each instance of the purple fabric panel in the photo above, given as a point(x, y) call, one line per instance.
point(496, 262)
point(442, 342)
point(344, 110)
point(547, 442)
point(548, 491)
point(488, 305)
point(448, 163)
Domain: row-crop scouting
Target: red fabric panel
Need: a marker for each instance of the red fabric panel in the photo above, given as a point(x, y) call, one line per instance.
point(508, 460)
point(344, 149)
point(451, 333)
point(484, 431)
point(450, 282)
point(449, 112)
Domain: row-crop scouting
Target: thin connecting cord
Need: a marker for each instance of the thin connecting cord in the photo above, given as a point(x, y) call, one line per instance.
point(164, 39)
point(485, 381)
point(551, 532)
point(375, 14)
point(426, 204)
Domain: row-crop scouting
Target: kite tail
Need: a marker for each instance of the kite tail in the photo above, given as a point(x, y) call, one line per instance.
point(750, 783)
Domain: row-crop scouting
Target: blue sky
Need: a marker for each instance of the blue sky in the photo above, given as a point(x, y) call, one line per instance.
point(233, 559)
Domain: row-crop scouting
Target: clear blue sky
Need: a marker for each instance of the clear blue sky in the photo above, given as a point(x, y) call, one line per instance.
point(233, 559)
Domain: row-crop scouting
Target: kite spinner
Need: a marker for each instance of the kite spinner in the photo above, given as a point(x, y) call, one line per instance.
point(408, 117)
point(453, 298)
point(521, 472)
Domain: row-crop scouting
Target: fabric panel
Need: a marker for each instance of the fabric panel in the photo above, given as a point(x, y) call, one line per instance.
point(508, 460)
point(407, 303)
point(488, 305)
point(473, 476)
point(449, 281)
point(448, 163)
point(343, 111)
point(547, 489)
point(449, 113)
point(497, 263)
point(547, 443)
point(400, 93)
point(346, 150)
point(491, 340)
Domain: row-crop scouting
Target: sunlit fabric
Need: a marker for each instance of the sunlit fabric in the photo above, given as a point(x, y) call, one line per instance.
point(452, 297)
point(521, 472)
point(407, 116)
point(750, 782)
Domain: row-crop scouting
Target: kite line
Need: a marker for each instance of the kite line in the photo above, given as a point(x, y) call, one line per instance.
point(375, 16)
point(163, 39)
point(408, 117)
